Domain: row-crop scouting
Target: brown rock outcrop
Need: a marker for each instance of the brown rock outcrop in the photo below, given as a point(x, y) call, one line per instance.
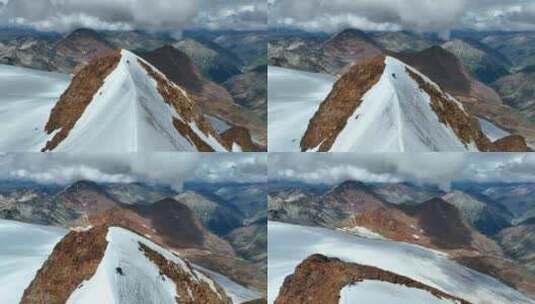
point(319, 279)
point(186, 107)
point(451, 114)
point(511, 143)
point(190, 289)
point(77, 97)
point(465, 126)
point(346, 96)
point(74, 260)
point(241, 137)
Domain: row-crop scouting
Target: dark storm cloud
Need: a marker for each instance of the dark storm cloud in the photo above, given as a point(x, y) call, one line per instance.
point(64, 15)
point(167, 168)
point(423, 15)
point(425, 168)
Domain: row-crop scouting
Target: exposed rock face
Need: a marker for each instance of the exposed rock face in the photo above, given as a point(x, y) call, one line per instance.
point(347, 96)
point(75, 100)
point(241, 137)
point(450, 113)
point(190, 290)
point(341, 103)
point(211, 98)
point(319, 279)
point(443, 68)
point(74, 260)
point(186, 108)
point(511, 143)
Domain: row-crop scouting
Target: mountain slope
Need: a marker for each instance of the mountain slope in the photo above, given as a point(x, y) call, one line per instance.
point(78, 48)
point(215, 62)
point(119, 102)
point(289, 245)
point(388, 100)
point(485, 217)
point(213, 99)
point(114, 264)
point(518, 91)
point(480, 100)
point(517, 242)
point(485, 63)
point(320, 279)
point(24, 249)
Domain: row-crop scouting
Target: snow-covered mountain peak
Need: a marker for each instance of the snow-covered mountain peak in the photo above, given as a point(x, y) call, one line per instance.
point(120, 102)
point(115, 265)
point(385, 105)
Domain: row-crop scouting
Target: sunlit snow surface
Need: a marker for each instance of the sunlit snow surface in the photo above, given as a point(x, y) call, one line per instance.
point(289, 245)
point(492, 131)
point(23, 250)
point(26, 98)
point(378, 292)
point(127, 114)
point(293, 97)
point(141, 281)
point(395, 114)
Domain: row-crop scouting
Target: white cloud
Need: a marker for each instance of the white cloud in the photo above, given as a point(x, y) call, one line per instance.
point(167, 168)
point(421, 15)
point(439, 169)
point(64, 15)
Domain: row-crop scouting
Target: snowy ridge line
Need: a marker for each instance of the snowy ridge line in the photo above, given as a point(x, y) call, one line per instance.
point(130, 273)
point(385, 105)
point(325, 277)
point(290, 244)
point(129, 114)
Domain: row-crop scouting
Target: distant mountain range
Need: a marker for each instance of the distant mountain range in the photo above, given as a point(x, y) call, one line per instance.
point(223, 237)
point(486, 227)
point(479, 71)
point(228, 91)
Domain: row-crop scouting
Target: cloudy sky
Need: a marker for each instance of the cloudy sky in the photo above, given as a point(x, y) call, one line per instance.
point(64, 15)
point(165, 168)
point(424, 168)
point(421, 15)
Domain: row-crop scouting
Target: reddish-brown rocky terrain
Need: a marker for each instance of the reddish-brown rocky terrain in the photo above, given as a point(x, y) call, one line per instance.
point(319, 279)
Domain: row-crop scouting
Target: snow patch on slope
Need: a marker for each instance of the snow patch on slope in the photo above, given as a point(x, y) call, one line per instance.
point(141, 281)
point(492, 131)
point(289, 245)
point(23, 250)
point(396, 116)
